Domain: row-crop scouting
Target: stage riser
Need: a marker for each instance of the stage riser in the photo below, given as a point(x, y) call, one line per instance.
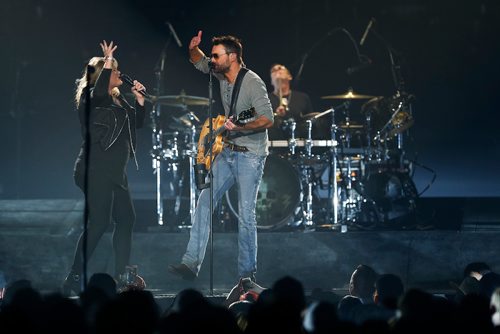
point(427, 259)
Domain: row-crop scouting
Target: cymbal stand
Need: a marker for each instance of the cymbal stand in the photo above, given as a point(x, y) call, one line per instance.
point(333, 192)
point(156, 155)
point(389, 122)
point(400, 138)
point(308, 214)
point(157, 134)
point(378, 155)
point(348, 145)
point(368, 136)
point(292, 143)
point(191, 153)
point(332, 177)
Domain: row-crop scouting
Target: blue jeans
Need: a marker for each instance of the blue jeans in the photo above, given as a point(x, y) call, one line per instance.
point(230, 167)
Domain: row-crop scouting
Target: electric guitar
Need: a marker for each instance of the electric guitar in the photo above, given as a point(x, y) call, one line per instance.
point(204, 143)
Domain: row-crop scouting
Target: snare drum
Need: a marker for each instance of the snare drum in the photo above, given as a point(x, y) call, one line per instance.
point(299, 145)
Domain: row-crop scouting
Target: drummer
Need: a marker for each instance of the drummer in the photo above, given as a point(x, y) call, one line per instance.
point(288, 105)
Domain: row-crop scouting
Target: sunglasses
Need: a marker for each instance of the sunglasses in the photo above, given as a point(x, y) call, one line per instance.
point(217, 55)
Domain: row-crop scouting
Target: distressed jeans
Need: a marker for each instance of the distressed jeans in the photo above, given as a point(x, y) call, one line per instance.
point(244, 170)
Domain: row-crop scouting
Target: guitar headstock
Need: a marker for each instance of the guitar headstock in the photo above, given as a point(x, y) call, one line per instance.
point(246, 116)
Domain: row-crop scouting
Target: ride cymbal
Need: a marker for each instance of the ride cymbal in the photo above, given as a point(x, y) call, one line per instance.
point(180, 100)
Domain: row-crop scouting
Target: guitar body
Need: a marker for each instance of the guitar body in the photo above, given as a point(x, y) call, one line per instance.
point(201, 157)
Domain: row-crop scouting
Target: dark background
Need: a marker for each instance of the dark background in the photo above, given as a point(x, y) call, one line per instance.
point(448, 51)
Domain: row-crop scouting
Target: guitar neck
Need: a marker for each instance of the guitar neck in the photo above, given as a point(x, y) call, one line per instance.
point(216, 133)
point(219, 130)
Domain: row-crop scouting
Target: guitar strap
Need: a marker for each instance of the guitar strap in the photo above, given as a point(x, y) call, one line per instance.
point(236, 90)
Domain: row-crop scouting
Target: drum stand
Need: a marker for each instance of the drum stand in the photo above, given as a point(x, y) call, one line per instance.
point(189, 153)
point(350, 200)
point(171, 156)
point(307, 172)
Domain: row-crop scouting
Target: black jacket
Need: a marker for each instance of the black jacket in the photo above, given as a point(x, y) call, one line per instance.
point(106, 121)
point(104, 124)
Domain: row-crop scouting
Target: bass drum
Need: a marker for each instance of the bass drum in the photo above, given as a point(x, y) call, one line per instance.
point(392, 192)
point(278, 196)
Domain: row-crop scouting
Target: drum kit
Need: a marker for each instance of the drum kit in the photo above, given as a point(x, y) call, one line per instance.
point(355, 178)
point(173, 147)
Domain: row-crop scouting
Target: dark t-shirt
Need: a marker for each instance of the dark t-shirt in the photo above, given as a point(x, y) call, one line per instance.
point(299, 104)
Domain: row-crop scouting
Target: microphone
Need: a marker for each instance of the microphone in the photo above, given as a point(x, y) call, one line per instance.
point(367, 30)
point(172, 31)
point(211, 65)
point(128, 80)
point(360, 67)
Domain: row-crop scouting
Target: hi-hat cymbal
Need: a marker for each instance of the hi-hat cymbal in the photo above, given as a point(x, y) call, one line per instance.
point(180, 100)
point(350, 126)
point(310, 115)
point(349, 95)
point(187, 119)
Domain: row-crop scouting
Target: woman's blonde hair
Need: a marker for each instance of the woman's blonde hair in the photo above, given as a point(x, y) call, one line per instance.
point(97, 64)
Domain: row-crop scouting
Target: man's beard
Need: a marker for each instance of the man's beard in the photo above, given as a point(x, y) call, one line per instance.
point(222, 69)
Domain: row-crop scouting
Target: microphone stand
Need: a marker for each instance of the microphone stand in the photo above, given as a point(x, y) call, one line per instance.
point(158, 132)
point(321, 40)
point(87, 146)
point(211, 176)
point(399, 84)
point(315, 45)
point(397, 78)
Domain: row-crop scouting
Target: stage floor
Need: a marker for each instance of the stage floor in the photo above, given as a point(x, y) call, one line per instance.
point(37, 241)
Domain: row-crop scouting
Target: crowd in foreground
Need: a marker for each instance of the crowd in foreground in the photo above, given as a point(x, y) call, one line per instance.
point(376, 303)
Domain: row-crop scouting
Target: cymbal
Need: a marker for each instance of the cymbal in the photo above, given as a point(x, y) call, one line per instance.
point(372, 104)
point(350, 126)
point(187, 119)
point(310, 115)
point(349, 95)
point(180, 100)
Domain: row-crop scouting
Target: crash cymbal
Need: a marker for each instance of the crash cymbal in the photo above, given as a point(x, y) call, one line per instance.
point(372, 104)
point(349, 95)
point(180, 100)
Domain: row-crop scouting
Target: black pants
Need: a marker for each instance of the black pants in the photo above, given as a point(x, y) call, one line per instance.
point(107, 202)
